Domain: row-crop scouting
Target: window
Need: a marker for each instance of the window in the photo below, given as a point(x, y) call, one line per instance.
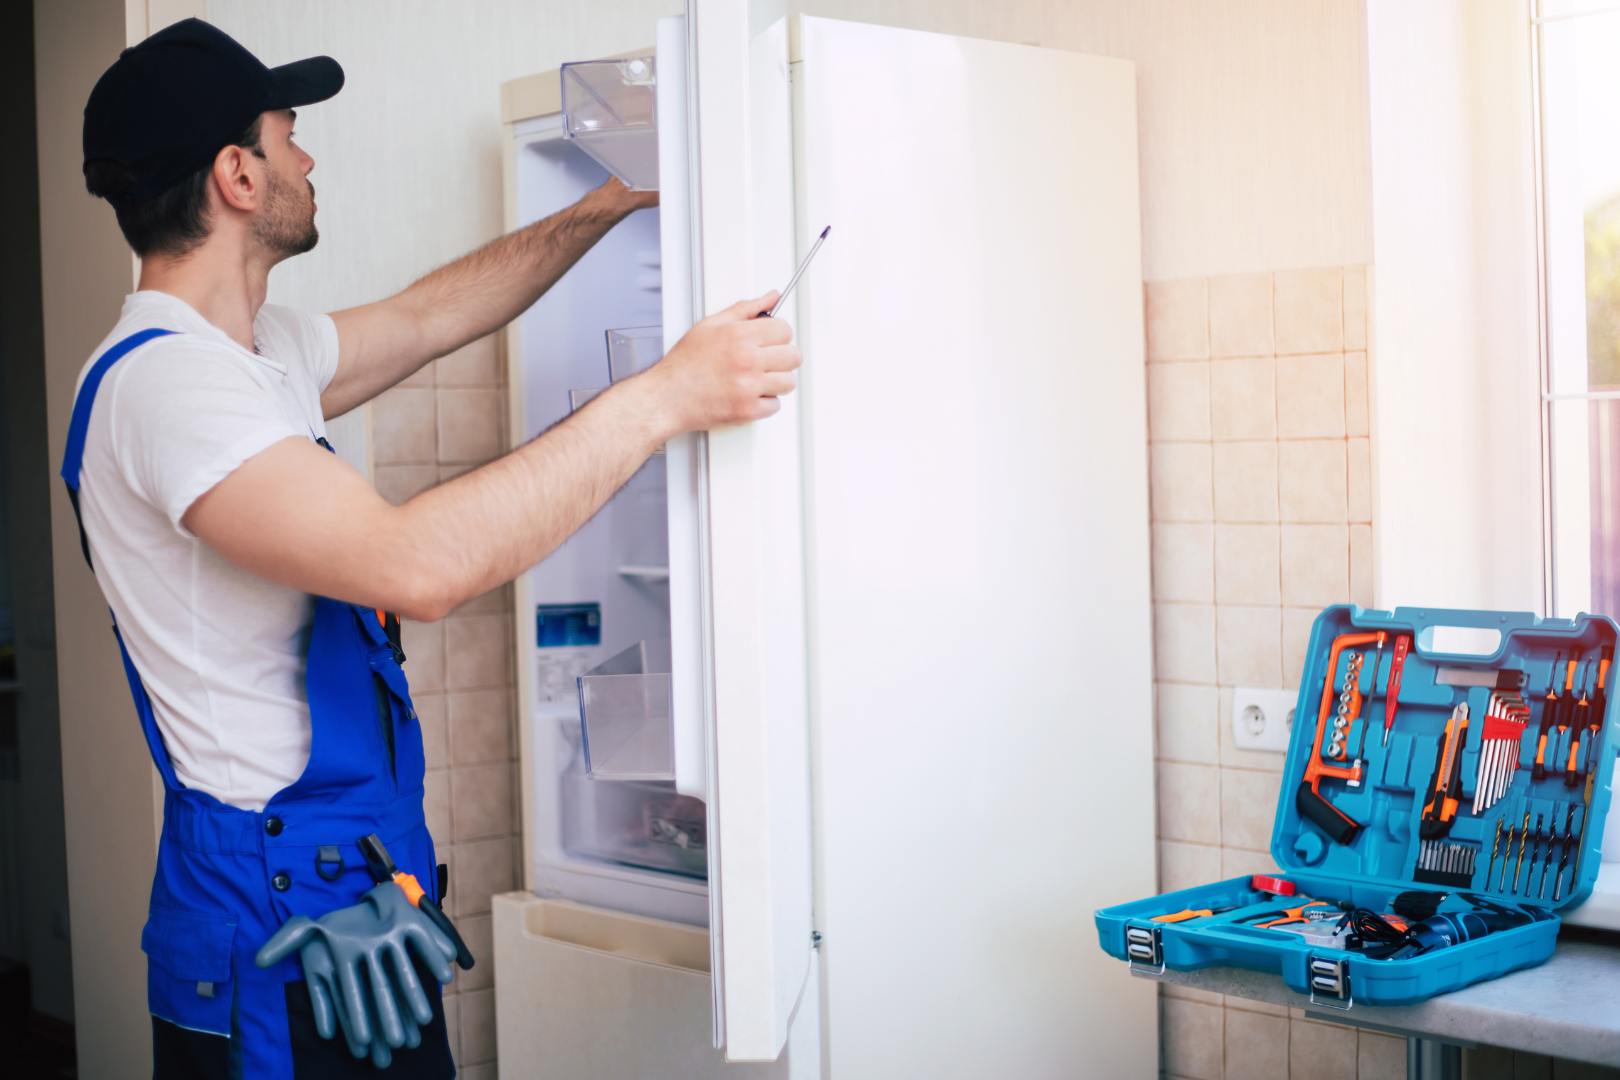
point(1578, 112)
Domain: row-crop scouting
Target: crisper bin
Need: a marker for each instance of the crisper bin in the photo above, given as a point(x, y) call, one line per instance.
point(610, 112)
point(624, 715)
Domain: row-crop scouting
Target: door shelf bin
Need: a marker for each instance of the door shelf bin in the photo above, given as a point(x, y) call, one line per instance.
point(610, 112)
point(632, 350)
point(627, 732)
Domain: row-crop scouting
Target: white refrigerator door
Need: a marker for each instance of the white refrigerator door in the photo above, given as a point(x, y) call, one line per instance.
point(747, 674)
point(977, 552)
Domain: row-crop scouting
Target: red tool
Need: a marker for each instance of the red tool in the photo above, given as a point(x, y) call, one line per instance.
point(1392, 691)
point(1338, 825)
point(1276, 886)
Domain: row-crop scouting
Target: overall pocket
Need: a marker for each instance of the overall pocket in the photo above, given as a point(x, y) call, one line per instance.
point(188, 970)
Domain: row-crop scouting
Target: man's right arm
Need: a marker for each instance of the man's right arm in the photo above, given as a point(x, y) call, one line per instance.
point(299, 516)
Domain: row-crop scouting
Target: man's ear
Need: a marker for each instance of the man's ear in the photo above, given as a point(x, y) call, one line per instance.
point(236, 178)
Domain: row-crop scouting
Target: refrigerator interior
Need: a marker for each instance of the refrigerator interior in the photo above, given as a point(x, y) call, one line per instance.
point(621, 837)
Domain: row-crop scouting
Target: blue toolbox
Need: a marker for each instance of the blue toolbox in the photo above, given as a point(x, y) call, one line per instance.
point(1443, 797)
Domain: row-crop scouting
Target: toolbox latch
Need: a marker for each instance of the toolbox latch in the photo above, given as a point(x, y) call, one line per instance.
point(1330, 982)
point(1144, 946)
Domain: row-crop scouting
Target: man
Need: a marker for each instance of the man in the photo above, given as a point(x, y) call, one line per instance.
point(249, 570)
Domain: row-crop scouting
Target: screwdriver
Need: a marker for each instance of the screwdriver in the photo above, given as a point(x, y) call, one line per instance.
point(787, 289)
point(1594, 719)
point(1551, 707)
point(1565, 717)
point(383, 869)
point(1582, 714)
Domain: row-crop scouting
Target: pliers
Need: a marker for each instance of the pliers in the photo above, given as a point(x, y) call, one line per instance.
point(1286, 916)
point(1195, 913)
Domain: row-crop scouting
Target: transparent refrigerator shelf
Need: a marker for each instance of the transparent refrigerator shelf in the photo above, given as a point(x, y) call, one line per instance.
point(626, 728)
point(632, 350)
point(610, 112)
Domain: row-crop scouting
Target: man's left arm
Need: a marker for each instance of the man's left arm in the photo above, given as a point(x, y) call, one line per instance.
point(381, 343)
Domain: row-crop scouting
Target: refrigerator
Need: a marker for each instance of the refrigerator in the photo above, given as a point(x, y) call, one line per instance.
point(835, 728)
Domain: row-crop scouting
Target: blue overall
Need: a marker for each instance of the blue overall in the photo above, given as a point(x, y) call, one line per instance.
point(227, 878)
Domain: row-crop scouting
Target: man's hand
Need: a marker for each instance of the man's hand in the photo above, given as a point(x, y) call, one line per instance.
point(620, 200)
point(729, 369)
point(381, 343)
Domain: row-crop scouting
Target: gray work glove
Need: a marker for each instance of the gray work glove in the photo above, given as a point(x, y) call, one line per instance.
point(357, 964)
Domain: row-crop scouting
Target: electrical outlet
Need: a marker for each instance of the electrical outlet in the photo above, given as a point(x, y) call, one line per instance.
point(1262, 719)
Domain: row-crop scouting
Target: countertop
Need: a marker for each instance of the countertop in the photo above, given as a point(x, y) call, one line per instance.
point(1568, 1007)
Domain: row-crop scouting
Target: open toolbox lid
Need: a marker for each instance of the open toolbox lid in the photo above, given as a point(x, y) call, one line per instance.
point(1471, 819)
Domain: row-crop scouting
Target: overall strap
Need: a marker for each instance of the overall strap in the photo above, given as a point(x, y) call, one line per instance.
point(72, 464)
point(79, 425)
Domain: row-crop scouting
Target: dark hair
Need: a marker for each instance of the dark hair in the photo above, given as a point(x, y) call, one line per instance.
point(171, 223)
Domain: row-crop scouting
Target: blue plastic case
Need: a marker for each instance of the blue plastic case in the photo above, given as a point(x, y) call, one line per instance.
point(1401, 798)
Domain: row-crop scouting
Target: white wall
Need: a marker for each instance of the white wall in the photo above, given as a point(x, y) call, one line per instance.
point(408, 155)
point(1253, 118)
point(1454, 346)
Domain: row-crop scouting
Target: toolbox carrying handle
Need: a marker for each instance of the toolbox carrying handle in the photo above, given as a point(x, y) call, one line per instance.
point(1429, 623)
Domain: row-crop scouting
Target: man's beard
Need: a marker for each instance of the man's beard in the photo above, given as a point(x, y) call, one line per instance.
point(287, 225)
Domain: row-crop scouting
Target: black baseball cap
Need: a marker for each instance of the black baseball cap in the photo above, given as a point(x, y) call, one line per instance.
point(169, 104)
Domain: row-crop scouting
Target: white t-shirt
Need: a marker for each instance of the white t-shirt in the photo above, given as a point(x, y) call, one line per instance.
point(220, 651)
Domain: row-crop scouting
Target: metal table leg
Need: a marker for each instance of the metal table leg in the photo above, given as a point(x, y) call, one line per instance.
point(1429, 1059)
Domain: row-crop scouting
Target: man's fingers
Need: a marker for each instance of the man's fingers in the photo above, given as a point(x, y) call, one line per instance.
point(749, 309)
point(286, 941)
point(775, 384)
point(766, 406)
point(763, 332)
point(780, 358)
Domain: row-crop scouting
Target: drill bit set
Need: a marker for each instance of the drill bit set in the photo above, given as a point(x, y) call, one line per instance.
point(1479, 791)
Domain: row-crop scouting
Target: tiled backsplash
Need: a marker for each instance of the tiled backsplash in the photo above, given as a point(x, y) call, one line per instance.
point(1262, 515)
point(443, 420)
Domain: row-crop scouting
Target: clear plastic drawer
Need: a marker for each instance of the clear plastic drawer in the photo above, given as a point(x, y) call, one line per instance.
point(624, 714)
point(610, 112)
point(632, 350)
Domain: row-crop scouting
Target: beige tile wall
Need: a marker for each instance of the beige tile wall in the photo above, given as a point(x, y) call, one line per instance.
point(435, 425)
point(1260, 452)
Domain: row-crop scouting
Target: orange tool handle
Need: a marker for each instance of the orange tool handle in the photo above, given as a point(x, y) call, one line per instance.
point(1442, 805)
point(413, 889)
point(1183, 916)
point(1284, 916)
